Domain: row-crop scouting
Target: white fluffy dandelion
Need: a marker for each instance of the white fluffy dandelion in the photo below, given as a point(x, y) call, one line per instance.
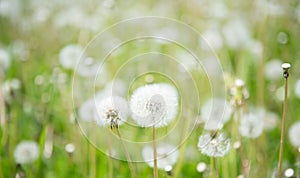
point(111, 111)
point(4, 59)
point(273, 70)
point(294, 135)
point(214, 145)
point(297, 88)
point(252, 123)
point(70, 55)
point(87, 110)
point(167, 155)
point(26, 152)
point(154, 105)
point(215, 113)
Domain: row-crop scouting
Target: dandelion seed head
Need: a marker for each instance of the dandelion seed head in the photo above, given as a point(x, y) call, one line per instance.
point(252, 123)
point(238, 93)
point(286, 66)
point(167, 155)
point(70, 148)
point(214, 146)
point(70, 55)
point(215, 113)
point(4, 59)
point(289, 172)
point(87, 110)
point(282, 38)
point(111, 111)
point(168, 168)
point(213, 38)
point(273, 70)
point(201, 167)
point(26, 152)
point(236, 33)
point(154, 104)
point(294, 134)
point(297, 88)
point(270, 120)
point(237, 145)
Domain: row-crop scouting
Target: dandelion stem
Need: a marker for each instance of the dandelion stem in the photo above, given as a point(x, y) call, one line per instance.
point(285, 67)
point(110, 163)
point(154, 154)
point(133, 175)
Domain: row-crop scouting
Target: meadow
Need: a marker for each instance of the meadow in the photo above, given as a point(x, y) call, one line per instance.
point(179, 88)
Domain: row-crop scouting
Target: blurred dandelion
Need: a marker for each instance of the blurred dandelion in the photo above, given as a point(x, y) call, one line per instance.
point(154, 105)
point(273, 69)
point(26, 152)
point(297, 88)
point(167, 155)
point(201, 167)
point(87, 110)
point(252, 123)
point(215, 113)
point(70, 148)
point(70, 55)
point(294, 134)
point(238, 93)
point(214, 145)
point(270, 120)
point(4, 59)
point(289, 172)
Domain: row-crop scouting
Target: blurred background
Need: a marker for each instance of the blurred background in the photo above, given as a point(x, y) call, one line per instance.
point(53, 62)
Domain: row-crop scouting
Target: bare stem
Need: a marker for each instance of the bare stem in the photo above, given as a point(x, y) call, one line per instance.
point(154, 154)
point(133, 175)
point(283, 124)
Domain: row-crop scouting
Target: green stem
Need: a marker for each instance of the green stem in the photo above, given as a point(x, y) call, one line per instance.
point(133, 175)
point(154, 153)
point(283, 128)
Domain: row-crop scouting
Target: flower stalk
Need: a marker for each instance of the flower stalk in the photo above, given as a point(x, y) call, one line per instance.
point(285, 67)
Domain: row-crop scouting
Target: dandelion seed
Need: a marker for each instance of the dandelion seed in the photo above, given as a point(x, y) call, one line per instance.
point(154, 105)
point(70, 55)
point(111, 111)
point(26, 152)
point(252, 123)
point(294, 134)
point(167, 155)
point(217, 145)
point(215, 113)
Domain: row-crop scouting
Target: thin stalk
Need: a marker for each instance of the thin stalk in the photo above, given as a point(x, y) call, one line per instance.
point(154, 154)
point(283, 126)
point(110, 160)
point(213, 168)
point(183, 147)
point(110, 163)
point(133, 175)
point(2, 125)
point(92, 161)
